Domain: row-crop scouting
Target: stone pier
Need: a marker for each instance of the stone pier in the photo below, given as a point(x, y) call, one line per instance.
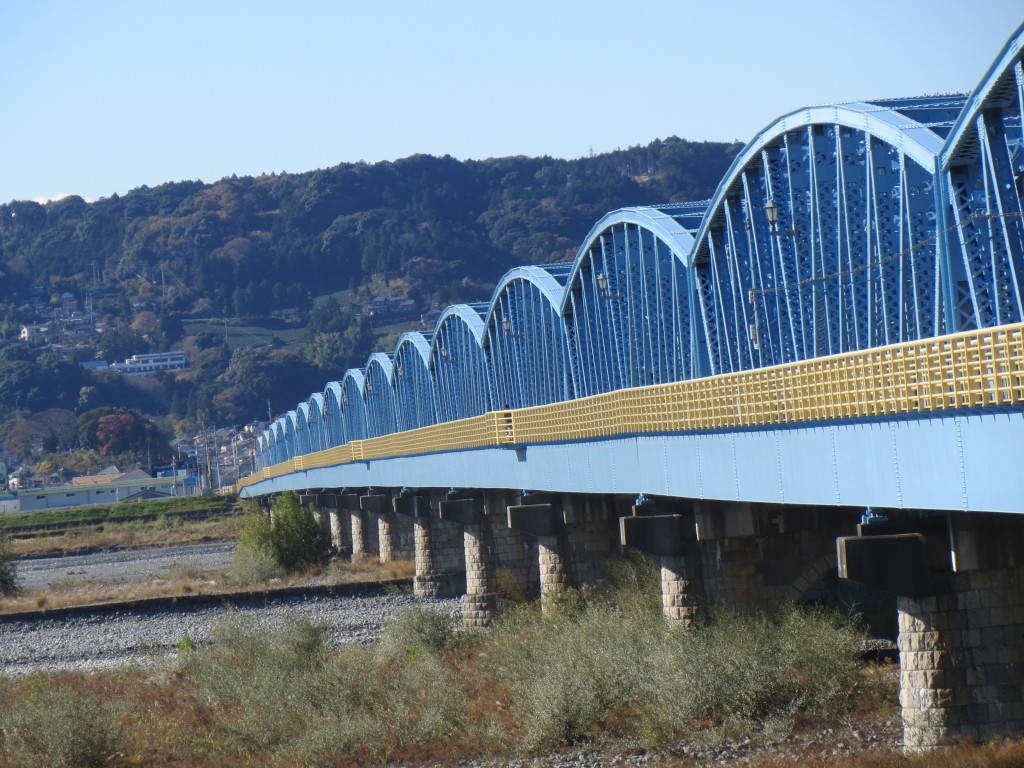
point(373, 505)
point(480, 600)
point(341, 534)
point(959, 579)
point(387, 535)
point(542, 516)
point(439, 558)
point(667, 531)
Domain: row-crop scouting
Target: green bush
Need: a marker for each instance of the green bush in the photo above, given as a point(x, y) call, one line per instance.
point(8, 568)
point(415, 633)
point(59, 726)
point(253, 565)
point(298, 539)
point(290, 538)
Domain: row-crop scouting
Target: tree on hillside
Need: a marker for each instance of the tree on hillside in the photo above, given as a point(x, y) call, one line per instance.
point(114, 431)
point(49, 431)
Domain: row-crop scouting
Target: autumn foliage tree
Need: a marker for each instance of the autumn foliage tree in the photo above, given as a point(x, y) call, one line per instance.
point(115, 432)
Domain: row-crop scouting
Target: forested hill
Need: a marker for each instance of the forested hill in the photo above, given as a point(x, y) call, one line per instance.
point(292, 262)
point(243, 245)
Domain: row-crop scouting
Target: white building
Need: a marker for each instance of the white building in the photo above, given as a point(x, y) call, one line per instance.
point(145, 365)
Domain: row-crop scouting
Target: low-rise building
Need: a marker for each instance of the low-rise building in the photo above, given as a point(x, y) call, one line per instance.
point(147, 365)
point(34, 334)
point(108, 487)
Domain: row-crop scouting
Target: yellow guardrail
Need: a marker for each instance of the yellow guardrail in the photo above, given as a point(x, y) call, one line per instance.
point(975, 369)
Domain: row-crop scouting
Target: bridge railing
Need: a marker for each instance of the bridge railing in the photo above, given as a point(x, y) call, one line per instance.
point(975, 369)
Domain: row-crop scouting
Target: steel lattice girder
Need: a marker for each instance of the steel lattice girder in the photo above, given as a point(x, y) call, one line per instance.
point(525, 340)
point(353, 409)
point(334, 425)
point(379, 395)
point(982, 170)
point(317, 426)
point(628, 306)
point(413, 385)
point(850, 261)
point(458, 364)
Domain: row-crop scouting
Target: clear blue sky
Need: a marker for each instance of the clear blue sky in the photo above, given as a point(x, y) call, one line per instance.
point(102, 96)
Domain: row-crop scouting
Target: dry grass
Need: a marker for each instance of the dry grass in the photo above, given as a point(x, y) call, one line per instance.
point(127, 536)
point(428, 693)
point(369, 569)
point(72, 593)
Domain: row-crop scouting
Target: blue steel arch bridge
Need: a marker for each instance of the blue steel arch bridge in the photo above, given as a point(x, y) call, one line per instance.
point(841, 323)
point(839, 330)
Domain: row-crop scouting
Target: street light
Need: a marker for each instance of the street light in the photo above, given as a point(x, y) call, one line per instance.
point(771, 212)
point(506, 324)
point(604, 289)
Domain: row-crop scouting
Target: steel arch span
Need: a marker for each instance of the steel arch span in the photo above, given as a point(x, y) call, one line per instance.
point(628, 305)
point(821, 239)
point(414, 386)
point(525, 340)
point(982, 173)
point(462, 383)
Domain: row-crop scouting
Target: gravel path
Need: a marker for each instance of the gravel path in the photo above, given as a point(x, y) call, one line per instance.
point(124, 565)
point(106, 639)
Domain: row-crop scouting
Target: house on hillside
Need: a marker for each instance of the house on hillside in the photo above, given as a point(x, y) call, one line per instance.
point(34, 334)
point(387, 310)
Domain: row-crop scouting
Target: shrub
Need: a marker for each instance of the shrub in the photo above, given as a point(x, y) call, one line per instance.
point(415, 633)
point(755, 668)
point(57, 725)
point(298, 539)
point(254, 565)
point(287, 540)
point(8, 568)
point(617, 662)
point(281, 690)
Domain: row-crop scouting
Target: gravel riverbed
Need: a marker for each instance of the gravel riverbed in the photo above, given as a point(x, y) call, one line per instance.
point(106, 638)
point(125, 564)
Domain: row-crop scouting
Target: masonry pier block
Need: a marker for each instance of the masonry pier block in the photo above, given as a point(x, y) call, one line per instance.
point(545, 520)
point(462, 511)
point(658, 535)
point(672, 539)
point(440, 564)
point(536, 519)
point(387, 533)
point(480, 600)
point(961, 620)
